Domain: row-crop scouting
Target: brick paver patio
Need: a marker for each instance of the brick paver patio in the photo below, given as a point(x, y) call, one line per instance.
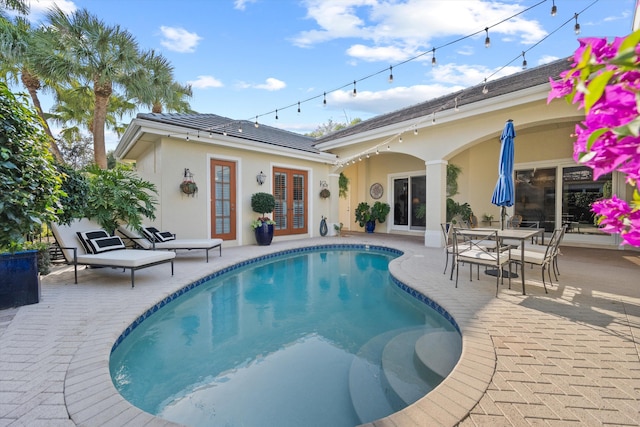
point(570, 357)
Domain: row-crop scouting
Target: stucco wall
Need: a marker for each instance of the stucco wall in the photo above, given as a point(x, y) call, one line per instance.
point(189, 217)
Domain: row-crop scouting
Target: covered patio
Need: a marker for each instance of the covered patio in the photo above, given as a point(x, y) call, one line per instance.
point(570, 357)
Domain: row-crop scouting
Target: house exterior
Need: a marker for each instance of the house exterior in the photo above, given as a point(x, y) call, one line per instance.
point(403, 153)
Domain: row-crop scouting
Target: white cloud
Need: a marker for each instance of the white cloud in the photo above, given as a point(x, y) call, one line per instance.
point(381, 53)
point(179, 40)
point(205, 82)
point(411, 24)
point(469, 75)
point(242, 4)
point(388, 100)
point(545, 59)
point(38, 9)
point(270, 84)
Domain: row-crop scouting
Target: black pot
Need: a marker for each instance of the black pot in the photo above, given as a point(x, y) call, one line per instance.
point(19, 279)
point(264, 234)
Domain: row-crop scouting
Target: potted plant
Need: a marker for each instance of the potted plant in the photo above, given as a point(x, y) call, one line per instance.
point(263, 204)
point(366, 215)
point(325, 193)
point(29, 196)
point(190, 188)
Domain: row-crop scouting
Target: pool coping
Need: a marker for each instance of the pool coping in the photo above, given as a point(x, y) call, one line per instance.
point(92, 399)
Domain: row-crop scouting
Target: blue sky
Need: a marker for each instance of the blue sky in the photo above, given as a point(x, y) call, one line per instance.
point(247, 58)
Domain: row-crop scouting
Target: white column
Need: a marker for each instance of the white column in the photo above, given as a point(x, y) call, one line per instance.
point(333, 216)
point(436, 202)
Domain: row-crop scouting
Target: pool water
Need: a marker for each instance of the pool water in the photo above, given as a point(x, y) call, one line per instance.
point(314, 338)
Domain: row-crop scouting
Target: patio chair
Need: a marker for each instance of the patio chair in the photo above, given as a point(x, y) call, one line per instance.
point(479, 247)
point(544, 260)
point(154, 239)
point(514, 221)
point(557, 253)
point(447, 233)
point(83, 242)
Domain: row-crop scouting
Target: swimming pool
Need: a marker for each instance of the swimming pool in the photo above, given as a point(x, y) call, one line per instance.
point(320, 336)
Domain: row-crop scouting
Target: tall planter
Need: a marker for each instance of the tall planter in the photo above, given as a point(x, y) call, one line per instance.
point(264, 234)
point(19, 280)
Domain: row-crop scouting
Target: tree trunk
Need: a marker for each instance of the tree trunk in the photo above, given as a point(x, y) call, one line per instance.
point(103, 93)
point(32, 83)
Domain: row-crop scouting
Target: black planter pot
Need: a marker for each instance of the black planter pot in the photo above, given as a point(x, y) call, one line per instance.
point(370, 226)
point(264, 234)
point(19, 279)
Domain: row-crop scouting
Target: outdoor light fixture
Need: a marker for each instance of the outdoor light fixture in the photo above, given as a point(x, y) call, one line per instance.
point(256, 123)
point(415, 130)
point(187, 136)
point(455, 107)
point(354, 89)
point(487, 40)
point(484, 89)
point(298, 106)
point(324, 101)
point(276, 114)
point(390, 74)
point(261, 178)
point(433, 58)
point(576, 27)
point(524, 61)
point(554, 8)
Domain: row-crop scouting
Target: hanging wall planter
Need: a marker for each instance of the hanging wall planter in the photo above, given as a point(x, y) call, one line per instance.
point(325, 193)
point(188, 186)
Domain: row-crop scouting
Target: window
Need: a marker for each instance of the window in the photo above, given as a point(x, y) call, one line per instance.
point(290, 191)
point(409, 196)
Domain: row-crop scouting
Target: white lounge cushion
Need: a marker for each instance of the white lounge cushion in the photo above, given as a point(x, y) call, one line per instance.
point(128, 258)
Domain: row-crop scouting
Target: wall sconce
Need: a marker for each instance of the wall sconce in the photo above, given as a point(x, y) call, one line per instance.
point(261, 178)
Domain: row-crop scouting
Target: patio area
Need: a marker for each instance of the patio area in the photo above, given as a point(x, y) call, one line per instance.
point(569, 357)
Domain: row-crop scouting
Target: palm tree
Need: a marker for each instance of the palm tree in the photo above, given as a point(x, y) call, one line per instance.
point(18, 40)
point(158, 88)
point(81, 47)
point(73, 110)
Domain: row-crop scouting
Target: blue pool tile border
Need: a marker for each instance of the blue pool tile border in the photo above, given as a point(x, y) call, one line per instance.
point(412, 292)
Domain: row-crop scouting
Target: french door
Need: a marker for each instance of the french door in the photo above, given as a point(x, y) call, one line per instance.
point(223, 199)
point(290, 191)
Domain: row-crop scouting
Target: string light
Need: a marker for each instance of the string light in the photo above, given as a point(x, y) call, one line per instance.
point(415, 130)
point(554, 8)
point(368, 155)
point(187, 136)
point(298, 107)
point(433, 58)
point(487, 40)
point(390, 73)
point(455, 107)
point(433, 119)
point(324, 101)
point(377, 152)
point(400, 139)
point(484, 89)
point(256, 123)
point(210, 134)
point(240, 128)
point(276, 114)
point(524, 61)
point(576, 27)
point(388, 147)
point(355, 92)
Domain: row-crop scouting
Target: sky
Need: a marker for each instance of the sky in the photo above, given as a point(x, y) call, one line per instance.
point(245, 59)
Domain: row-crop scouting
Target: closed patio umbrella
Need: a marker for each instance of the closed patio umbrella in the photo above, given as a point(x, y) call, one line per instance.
point(504, 194)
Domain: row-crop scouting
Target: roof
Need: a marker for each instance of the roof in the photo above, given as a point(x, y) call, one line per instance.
point(505, 85)
point(243, 129)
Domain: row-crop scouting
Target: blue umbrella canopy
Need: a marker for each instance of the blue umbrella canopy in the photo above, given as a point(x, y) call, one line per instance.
point(504, 194)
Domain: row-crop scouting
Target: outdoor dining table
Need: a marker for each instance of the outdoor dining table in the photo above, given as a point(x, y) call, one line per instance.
point(521, 235)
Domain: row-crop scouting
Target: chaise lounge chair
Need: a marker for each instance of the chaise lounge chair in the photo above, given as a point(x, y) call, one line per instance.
point(78, 239)
point(152, 238)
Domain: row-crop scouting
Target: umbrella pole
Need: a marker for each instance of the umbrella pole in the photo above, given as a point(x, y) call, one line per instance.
point(503, 213)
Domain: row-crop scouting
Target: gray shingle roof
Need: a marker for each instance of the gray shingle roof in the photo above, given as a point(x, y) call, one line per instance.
point(512, 83)
point(205, 123)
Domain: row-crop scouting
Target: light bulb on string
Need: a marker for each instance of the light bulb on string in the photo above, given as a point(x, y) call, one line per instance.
point(576, 27)
point(390, 74)
point(276, 114)
point(360, 158)
point(484, 89)
point(256, 123)
point(487, 40)
point(240, 128)
point(187, 136)
point(377, 152)
point(400, 139)
point(554, 8)
point(324, 101)
point(368, 155)
point(455, 107)
point(298, 107)
point(415, 130)
point(388, 147)
point(355, 92)
point(433, 119)
point(524, 61)
point(210, 134)
point(433, 58)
